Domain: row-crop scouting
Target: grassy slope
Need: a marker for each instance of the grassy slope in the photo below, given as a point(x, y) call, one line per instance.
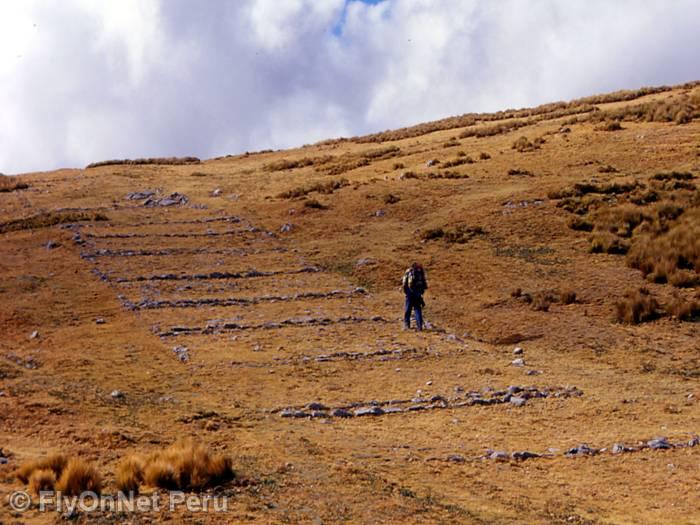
point(636, 379)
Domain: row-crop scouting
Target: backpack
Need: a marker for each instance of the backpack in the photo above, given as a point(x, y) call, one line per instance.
point(415, 280)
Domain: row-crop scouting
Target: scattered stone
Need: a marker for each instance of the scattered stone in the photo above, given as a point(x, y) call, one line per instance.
point(217, 192)
point(182, 353)
point(619, 448)
point(522, 456)
point(518, 401)
point(659, 443)
point(341, 412)
point(498, 455)
point(533, 372)
point(431, 162)
point(379, 213)
point(174, 199)
point(316, 406)
point(518, 362)
point(581, 450)
point(286, 228)
point(456, 458)
point(393, 410)
point(35, 334)
point(51, 245)
point(428, 383)
point(369, 411)
point(293, 412)
point(518, 350)
point(140, 195)
point(100, 320)
point(693, 442)
point(117, 394)
point(365, 262)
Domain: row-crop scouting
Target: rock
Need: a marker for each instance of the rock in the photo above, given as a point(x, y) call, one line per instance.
point(393, 410)
point(217, 192)
point(140, 195)
point(35, 334)
point(431, 162)
point(4, 461)
point(100, 320)
point(428, 383)
point(117, 394)
point(619, 448)
point(316, 406)
point(369, 411)
point(518, 362)
point(693, 442)
point(286, 228)
point(533, 372)
point(364, 262)
point(514, 389)
point(581, 450)
point(379, 213)
point(182, 353)
point(659, 443)
point(51, 245)
point(456, 458)
point(522, 456)
point(293, 412)
point(517, 351)
point(498, 455)
point(341, 412)
point(518, 401)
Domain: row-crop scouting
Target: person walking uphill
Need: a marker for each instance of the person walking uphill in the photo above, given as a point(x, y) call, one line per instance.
point(414, 285)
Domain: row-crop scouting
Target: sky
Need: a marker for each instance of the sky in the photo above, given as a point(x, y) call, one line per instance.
point(89, 80)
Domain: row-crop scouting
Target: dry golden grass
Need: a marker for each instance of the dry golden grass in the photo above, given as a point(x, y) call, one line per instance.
point(77, 477)
point(8, 184)
point(42, 480)
point(185, 465)
point(55, 462)
point(130, 474)
point(173, 161)
point(637, 306)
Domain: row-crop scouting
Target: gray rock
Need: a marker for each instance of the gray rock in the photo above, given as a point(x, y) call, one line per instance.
point(518, 362)
point(51, 245)
point(517, 351)
point(659, 443)
point(217, 192)
point(341, 412)
point(369, 411)
point(34, 335)
point(523, 455)
point(693, 442)
point(456, 458)
point(364, 262)
point(4, 461)
point(379, 213)
point(498, 455)
point(182, 353)
point(518, 401)
point(431, 162)
point(619, 448)
point(117, 394)
point(581, 450)
point(100, 320)
point(316, 406)
point(286, 228)
point(393, 410)
point(293, 412)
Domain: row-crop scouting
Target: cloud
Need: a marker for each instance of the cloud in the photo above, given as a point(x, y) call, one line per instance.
point(83, 80)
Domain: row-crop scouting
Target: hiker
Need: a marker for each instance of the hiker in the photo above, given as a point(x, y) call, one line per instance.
point(414, 285)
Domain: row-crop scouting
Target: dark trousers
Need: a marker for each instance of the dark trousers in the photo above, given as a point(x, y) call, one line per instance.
point(415, 303)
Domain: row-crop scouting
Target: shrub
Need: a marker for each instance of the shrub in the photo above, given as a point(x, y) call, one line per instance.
point(314, 204)
point(520, 172)
point(43, 220)
point(8, 184)
point(151, 160)
point(683, 309)
point(607, 169)
point(567, 297)
point(42, 480)
point(484, 156)
point(459, 234)
point(579, 224)
point(605, 242)
point(613, 125)
point(55, 462)
point(398, 166)
point(523, 144)
point(457, 162)
point(636, 307)
point(130, 474)
point(186, 466)
point(391, 198)
point(78, 477)
point(320, 187)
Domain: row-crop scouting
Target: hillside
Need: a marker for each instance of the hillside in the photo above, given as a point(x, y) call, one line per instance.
point(252, 302)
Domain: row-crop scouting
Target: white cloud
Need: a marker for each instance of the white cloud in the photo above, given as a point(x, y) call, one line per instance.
point(83, 80)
